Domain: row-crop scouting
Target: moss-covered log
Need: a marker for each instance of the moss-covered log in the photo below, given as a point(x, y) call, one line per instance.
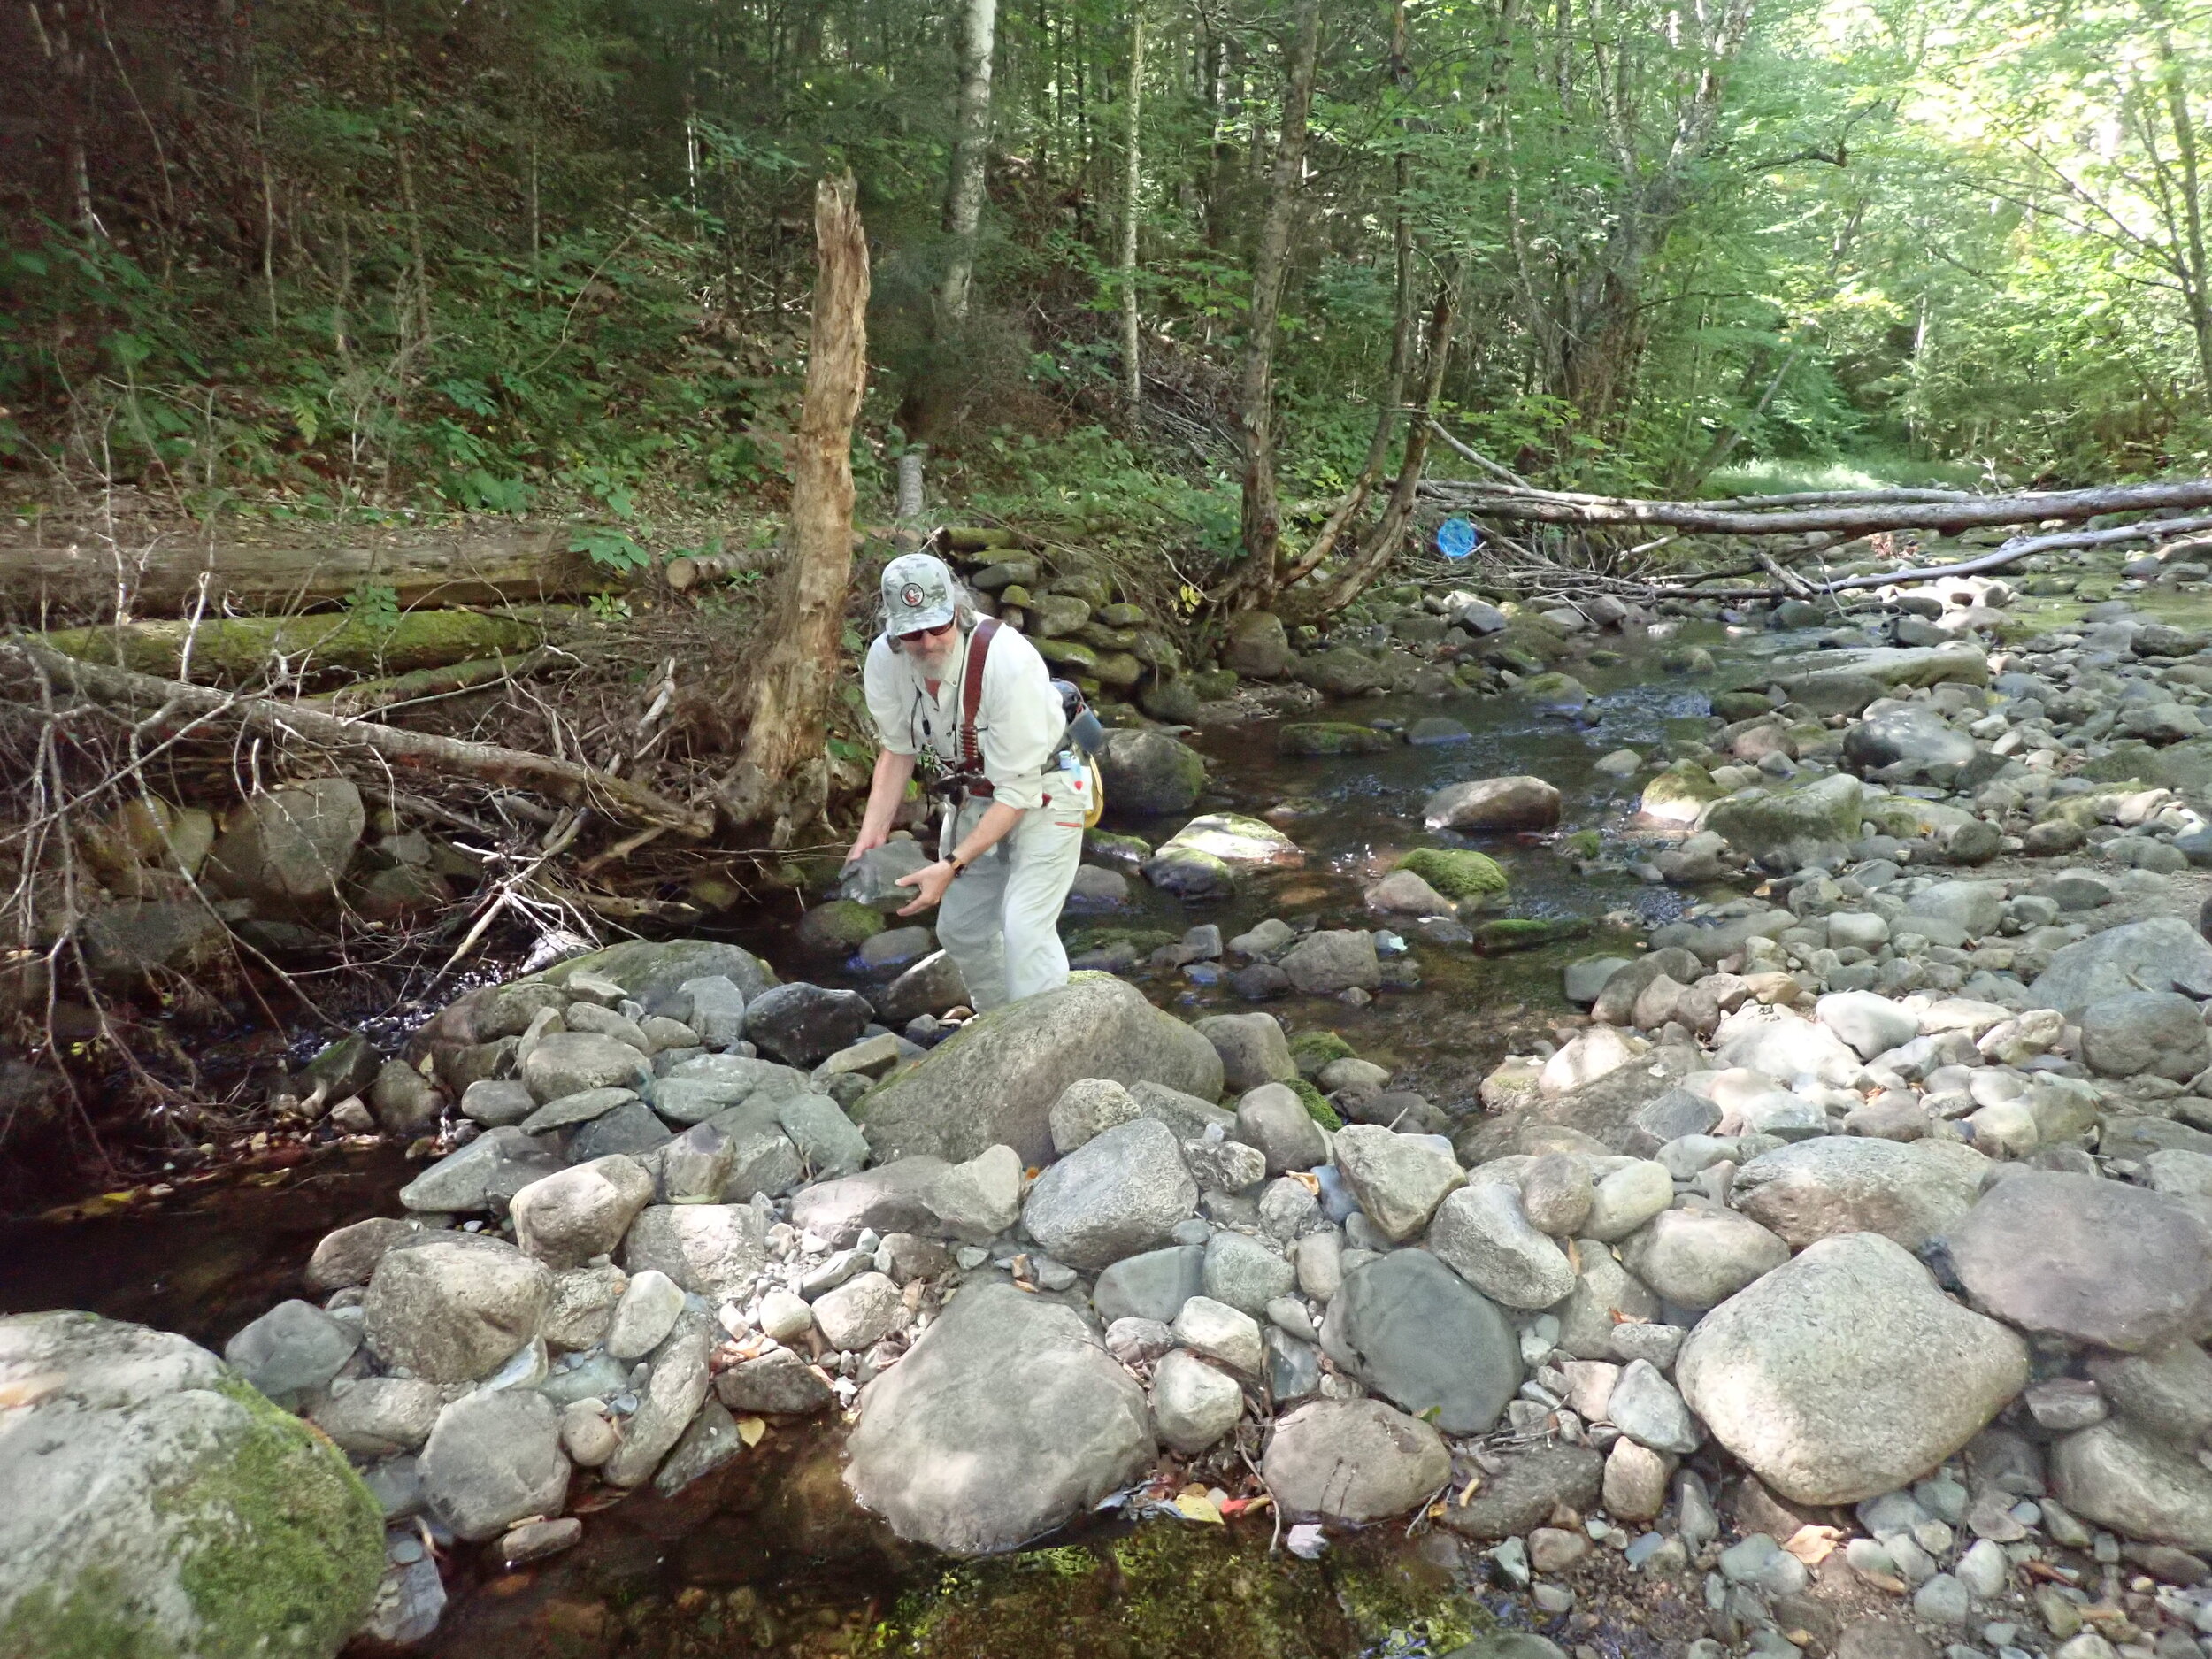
point(70, 566)
point(233, 650)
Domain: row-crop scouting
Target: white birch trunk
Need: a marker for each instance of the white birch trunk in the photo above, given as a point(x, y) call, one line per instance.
point(963, 208)
point(1132, 366)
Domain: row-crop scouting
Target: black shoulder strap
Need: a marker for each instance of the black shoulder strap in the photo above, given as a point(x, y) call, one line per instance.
point(971, 693)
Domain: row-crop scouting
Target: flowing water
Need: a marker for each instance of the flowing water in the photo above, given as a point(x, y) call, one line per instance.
point(765, 1557)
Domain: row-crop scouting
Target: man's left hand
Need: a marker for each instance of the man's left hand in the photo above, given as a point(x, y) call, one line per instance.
point(930, 882)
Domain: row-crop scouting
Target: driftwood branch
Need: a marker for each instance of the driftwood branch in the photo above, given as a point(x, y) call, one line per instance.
point(420, 751)
point(367, 696)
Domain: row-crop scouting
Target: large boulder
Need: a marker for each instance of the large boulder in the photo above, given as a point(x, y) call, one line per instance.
point(995, 1081)
point(1419, 1335)
point(2160, 1034)
point(2085, 1258)
point(1911, 738)
point(566, 1219)
point(1399, 1180)
point(157, 1505)
point(1119, 1193)
point(1353, 1459)
point(493, 1458)
point(2162, 954)
point(1148, 773)
point(1257, 645)
point(1006, 1419)
point(1330, 960)
point(803, 1025)
point(1700, 1258)
point(655, 971)
point(1788, 830)
point(566, 1062)
point(711, 1250)
point(1494, 804)
point(2120, 1475)
point(287, 850)
point(1847, 1372)
point(454, 1307)
point(1833, 1184)
point(1253, 1049)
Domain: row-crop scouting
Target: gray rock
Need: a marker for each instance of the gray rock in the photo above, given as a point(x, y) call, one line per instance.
point(582, 1307)
point(1494, 804)
point(2167, 1390)
point(859, 1313)
point(379, 1416)
point(566, 1063)
point(997, 1078)
point(891, 1198)
point(693, 1167)
point(932, 986)
point(979, 1200)
point(780, 1382)
point(1224, 1166)
point(1330, 960)
point(1245, 1273)
point(1193, 1404)
point(653, 971)
point(1252, 1048)
point(292, 1350)
point(2162, 954)
point(497, 1103)
point(406, 1103)
point(1399, 1180)
point(1784, 1046)
point(1912, 738)
point(2141, 1487)
point(571, 1110)
point(828, 1143)
point(1154, 1284)
point(1273, 1118)
point(1847, 1372)
point(1668, 1117)
point(1353, 1459)
point(1605, 1292)
point(2091, 1260)
point(1644, 1407)
point(153, 1506)
point(1627, 1198)
point(1417, 1334)
point(1791, 830)
point(803, 1025)
point(493, 1459)
point(454, 1307)
point(1906, 1191)
point(714, 1007)
point(1006, 1419)
point(1557, 1193)
point(1147, 773)
point(645, 1315)
point(287, 850)
point(566, 1219)
point(670, 1400)
point(482, 1175)
point(2160, 1034)
point(629, 1130)
point(1871, 1024)
point(1481, 1232)
point(1522, 1492)
point(1120, 1193)
point(1700, 1258)
point(711, 1250)
point(1088, 1108)
point(1220, 1333)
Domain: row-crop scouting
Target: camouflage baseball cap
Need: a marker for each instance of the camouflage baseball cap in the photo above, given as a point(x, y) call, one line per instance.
point(916, 594)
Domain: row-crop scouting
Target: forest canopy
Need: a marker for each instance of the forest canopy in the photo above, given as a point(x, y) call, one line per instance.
point(554, 256)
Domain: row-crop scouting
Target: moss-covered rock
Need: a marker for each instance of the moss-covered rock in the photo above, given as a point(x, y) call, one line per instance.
point(1681, 793)
point(1511, 933)
point(1311, 1050)
point(1555, 691)
point(838, 927)
point(160, 1509)
point(1317, 1107)
point(1456, 872)
point(1331, 737)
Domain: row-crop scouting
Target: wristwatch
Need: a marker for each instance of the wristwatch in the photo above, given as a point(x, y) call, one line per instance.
point(958, 866)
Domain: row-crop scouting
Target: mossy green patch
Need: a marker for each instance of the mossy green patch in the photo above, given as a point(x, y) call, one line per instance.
point(1146, 940)
point(94, 1621)
point(1317, 1104)
point(1457, 872)
point(1331, 737)
point(1511, 933)
point(841, 925)
point(288, 1543)
point(1313, 1049)
point(1581, 844)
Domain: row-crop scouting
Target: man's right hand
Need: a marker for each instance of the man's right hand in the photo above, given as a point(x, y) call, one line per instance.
point(865, 840)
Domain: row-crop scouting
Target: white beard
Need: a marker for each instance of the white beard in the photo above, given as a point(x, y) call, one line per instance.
point(932, 665)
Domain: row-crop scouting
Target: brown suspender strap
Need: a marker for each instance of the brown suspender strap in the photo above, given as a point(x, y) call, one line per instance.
point(971, 701)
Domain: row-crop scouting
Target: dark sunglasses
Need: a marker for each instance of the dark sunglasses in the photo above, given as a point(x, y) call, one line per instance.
point(924, 633)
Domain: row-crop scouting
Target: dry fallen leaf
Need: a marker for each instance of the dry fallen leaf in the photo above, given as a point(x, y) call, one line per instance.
point(1311, 1182)
point(1197, 1507)
point(1813, 1544)
point(752, 1430)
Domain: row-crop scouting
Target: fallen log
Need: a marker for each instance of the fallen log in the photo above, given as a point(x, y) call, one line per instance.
point(1854, 517)
point(2011, 553)
point(239, 649)
point(418, 751)
point(161, 573)
point(368, 695)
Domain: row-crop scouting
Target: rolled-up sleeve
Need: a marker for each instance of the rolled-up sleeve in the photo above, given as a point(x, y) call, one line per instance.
point(889, 688)
point(1022, 722)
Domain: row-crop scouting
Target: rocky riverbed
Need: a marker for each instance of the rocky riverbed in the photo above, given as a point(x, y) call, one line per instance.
point(1832, 1279)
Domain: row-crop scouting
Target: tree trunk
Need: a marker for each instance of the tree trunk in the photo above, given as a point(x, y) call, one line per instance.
point(1262, 516)
point(158, 573)
point(972, 152)
point(1132, 368)
point(240, 650)
point(781, 709)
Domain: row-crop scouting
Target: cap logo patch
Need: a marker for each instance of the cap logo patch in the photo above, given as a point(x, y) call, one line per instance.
point(911, 596)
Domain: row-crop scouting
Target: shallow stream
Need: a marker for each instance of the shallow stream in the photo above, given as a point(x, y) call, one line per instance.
point(766, 1556)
